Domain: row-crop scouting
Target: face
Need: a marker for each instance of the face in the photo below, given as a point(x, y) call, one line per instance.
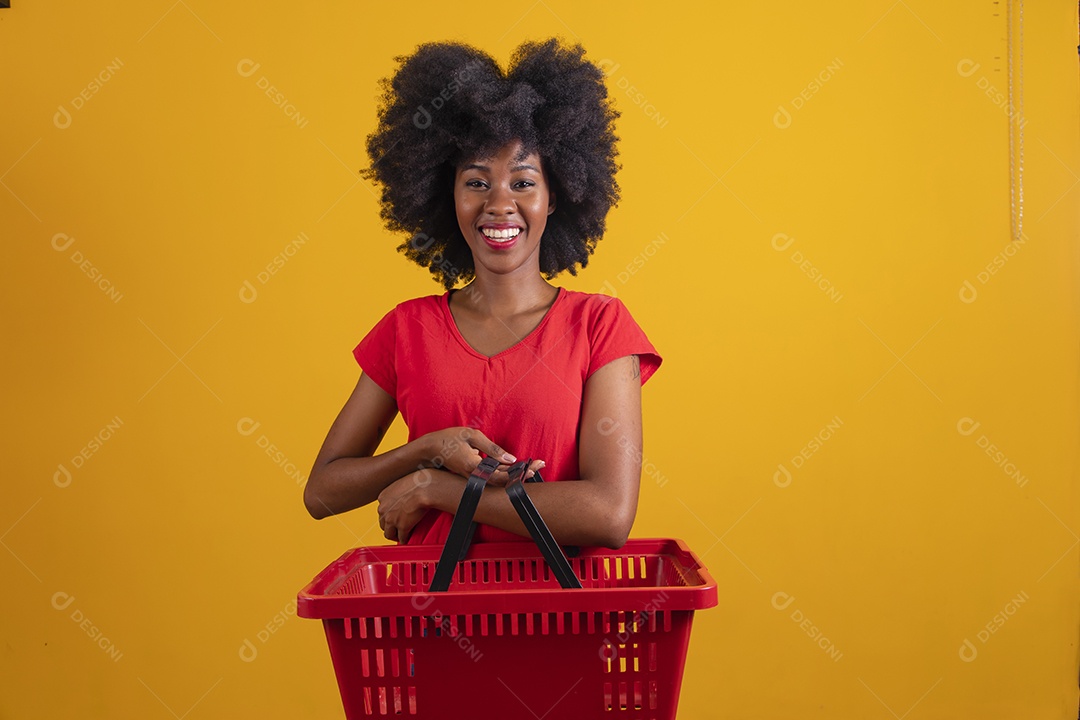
point(502, 205)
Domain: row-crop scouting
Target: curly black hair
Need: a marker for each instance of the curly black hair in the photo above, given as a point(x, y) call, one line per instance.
point(449, 103)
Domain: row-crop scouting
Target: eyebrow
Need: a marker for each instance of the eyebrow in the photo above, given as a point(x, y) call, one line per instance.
point(516, 168)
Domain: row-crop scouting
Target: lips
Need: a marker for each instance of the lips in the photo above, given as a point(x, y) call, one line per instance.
point(501, 237)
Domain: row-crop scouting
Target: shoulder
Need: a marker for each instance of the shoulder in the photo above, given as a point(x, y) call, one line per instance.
point(414, 309)
point(594, 308)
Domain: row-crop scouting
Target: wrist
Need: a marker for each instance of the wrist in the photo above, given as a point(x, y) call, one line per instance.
point(440, 489)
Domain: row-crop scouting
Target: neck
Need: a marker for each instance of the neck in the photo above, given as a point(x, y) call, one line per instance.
point(503, 295)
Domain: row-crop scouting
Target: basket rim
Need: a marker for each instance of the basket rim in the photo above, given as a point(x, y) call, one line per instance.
point(316, 602)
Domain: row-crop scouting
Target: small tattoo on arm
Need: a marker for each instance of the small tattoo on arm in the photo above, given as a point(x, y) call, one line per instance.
point(635, 367)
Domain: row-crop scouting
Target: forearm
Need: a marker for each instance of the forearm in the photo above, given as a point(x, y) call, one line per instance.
point(347, 483)
point(578, 512)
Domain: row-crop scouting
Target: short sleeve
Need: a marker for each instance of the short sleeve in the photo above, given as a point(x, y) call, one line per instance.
point(376, 352)
point(616, 334)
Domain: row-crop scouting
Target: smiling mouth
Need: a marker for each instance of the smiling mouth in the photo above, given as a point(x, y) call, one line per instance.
point(500, 235)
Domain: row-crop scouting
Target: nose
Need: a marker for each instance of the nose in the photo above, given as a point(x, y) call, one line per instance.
point(499, 201)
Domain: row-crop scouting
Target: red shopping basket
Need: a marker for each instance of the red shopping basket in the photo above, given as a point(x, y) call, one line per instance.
point(505, 640)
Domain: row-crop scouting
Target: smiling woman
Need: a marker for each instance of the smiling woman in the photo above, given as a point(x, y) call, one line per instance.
point(504, 184)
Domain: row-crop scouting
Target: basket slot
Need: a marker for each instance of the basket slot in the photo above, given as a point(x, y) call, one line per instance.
point(654, 696)
point(652, 657)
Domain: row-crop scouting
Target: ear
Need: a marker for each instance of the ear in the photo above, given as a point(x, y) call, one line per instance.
point(551, 203)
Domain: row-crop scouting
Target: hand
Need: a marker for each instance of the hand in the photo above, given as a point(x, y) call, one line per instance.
point(458, 449)
point(403, 503)
point(501, 477)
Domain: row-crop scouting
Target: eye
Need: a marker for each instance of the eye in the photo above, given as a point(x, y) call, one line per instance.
point(524, 184)
point(475, 183)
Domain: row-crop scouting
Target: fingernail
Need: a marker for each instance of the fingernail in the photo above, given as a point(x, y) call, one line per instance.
point(507, 457)
point(543, 464)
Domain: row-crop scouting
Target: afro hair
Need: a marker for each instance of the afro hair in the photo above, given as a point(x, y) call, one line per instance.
point(449, 103)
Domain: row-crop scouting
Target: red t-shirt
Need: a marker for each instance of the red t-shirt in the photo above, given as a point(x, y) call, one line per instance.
point(527, 398)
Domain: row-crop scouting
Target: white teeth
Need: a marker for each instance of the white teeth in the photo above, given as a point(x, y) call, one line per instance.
point(500, 234)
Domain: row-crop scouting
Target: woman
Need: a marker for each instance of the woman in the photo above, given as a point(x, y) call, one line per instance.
point(502, 180)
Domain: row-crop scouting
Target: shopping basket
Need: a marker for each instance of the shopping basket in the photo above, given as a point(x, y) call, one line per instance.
point(506, 640)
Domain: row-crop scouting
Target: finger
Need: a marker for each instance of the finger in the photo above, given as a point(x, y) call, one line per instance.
point(534, 466)
point(481, 442)
point(499, 478)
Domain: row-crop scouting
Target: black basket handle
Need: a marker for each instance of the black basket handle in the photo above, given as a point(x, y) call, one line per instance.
point(537, 528)
point(463, 527)
point(461, 530)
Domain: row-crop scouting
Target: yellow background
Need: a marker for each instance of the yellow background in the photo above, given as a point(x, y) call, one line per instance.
point(178, 180)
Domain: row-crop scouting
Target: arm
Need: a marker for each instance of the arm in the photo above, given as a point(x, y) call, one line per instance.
point(347, 474)
point(596, 510)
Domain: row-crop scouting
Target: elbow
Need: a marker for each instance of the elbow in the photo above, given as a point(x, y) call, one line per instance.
point(616, 531)
point(314, 504)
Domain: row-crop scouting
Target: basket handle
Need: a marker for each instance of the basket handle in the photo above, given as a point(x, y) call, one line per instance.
point(463, 527)
point(461, 530)
point(537, 528)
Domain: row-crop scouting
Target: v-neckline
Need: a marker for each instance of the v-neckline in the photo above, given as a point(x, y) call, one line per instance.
point(456, 331)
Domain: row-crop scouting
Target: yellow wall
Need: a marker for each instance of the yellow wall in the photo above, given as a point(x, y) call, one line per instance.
point(812, 197)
